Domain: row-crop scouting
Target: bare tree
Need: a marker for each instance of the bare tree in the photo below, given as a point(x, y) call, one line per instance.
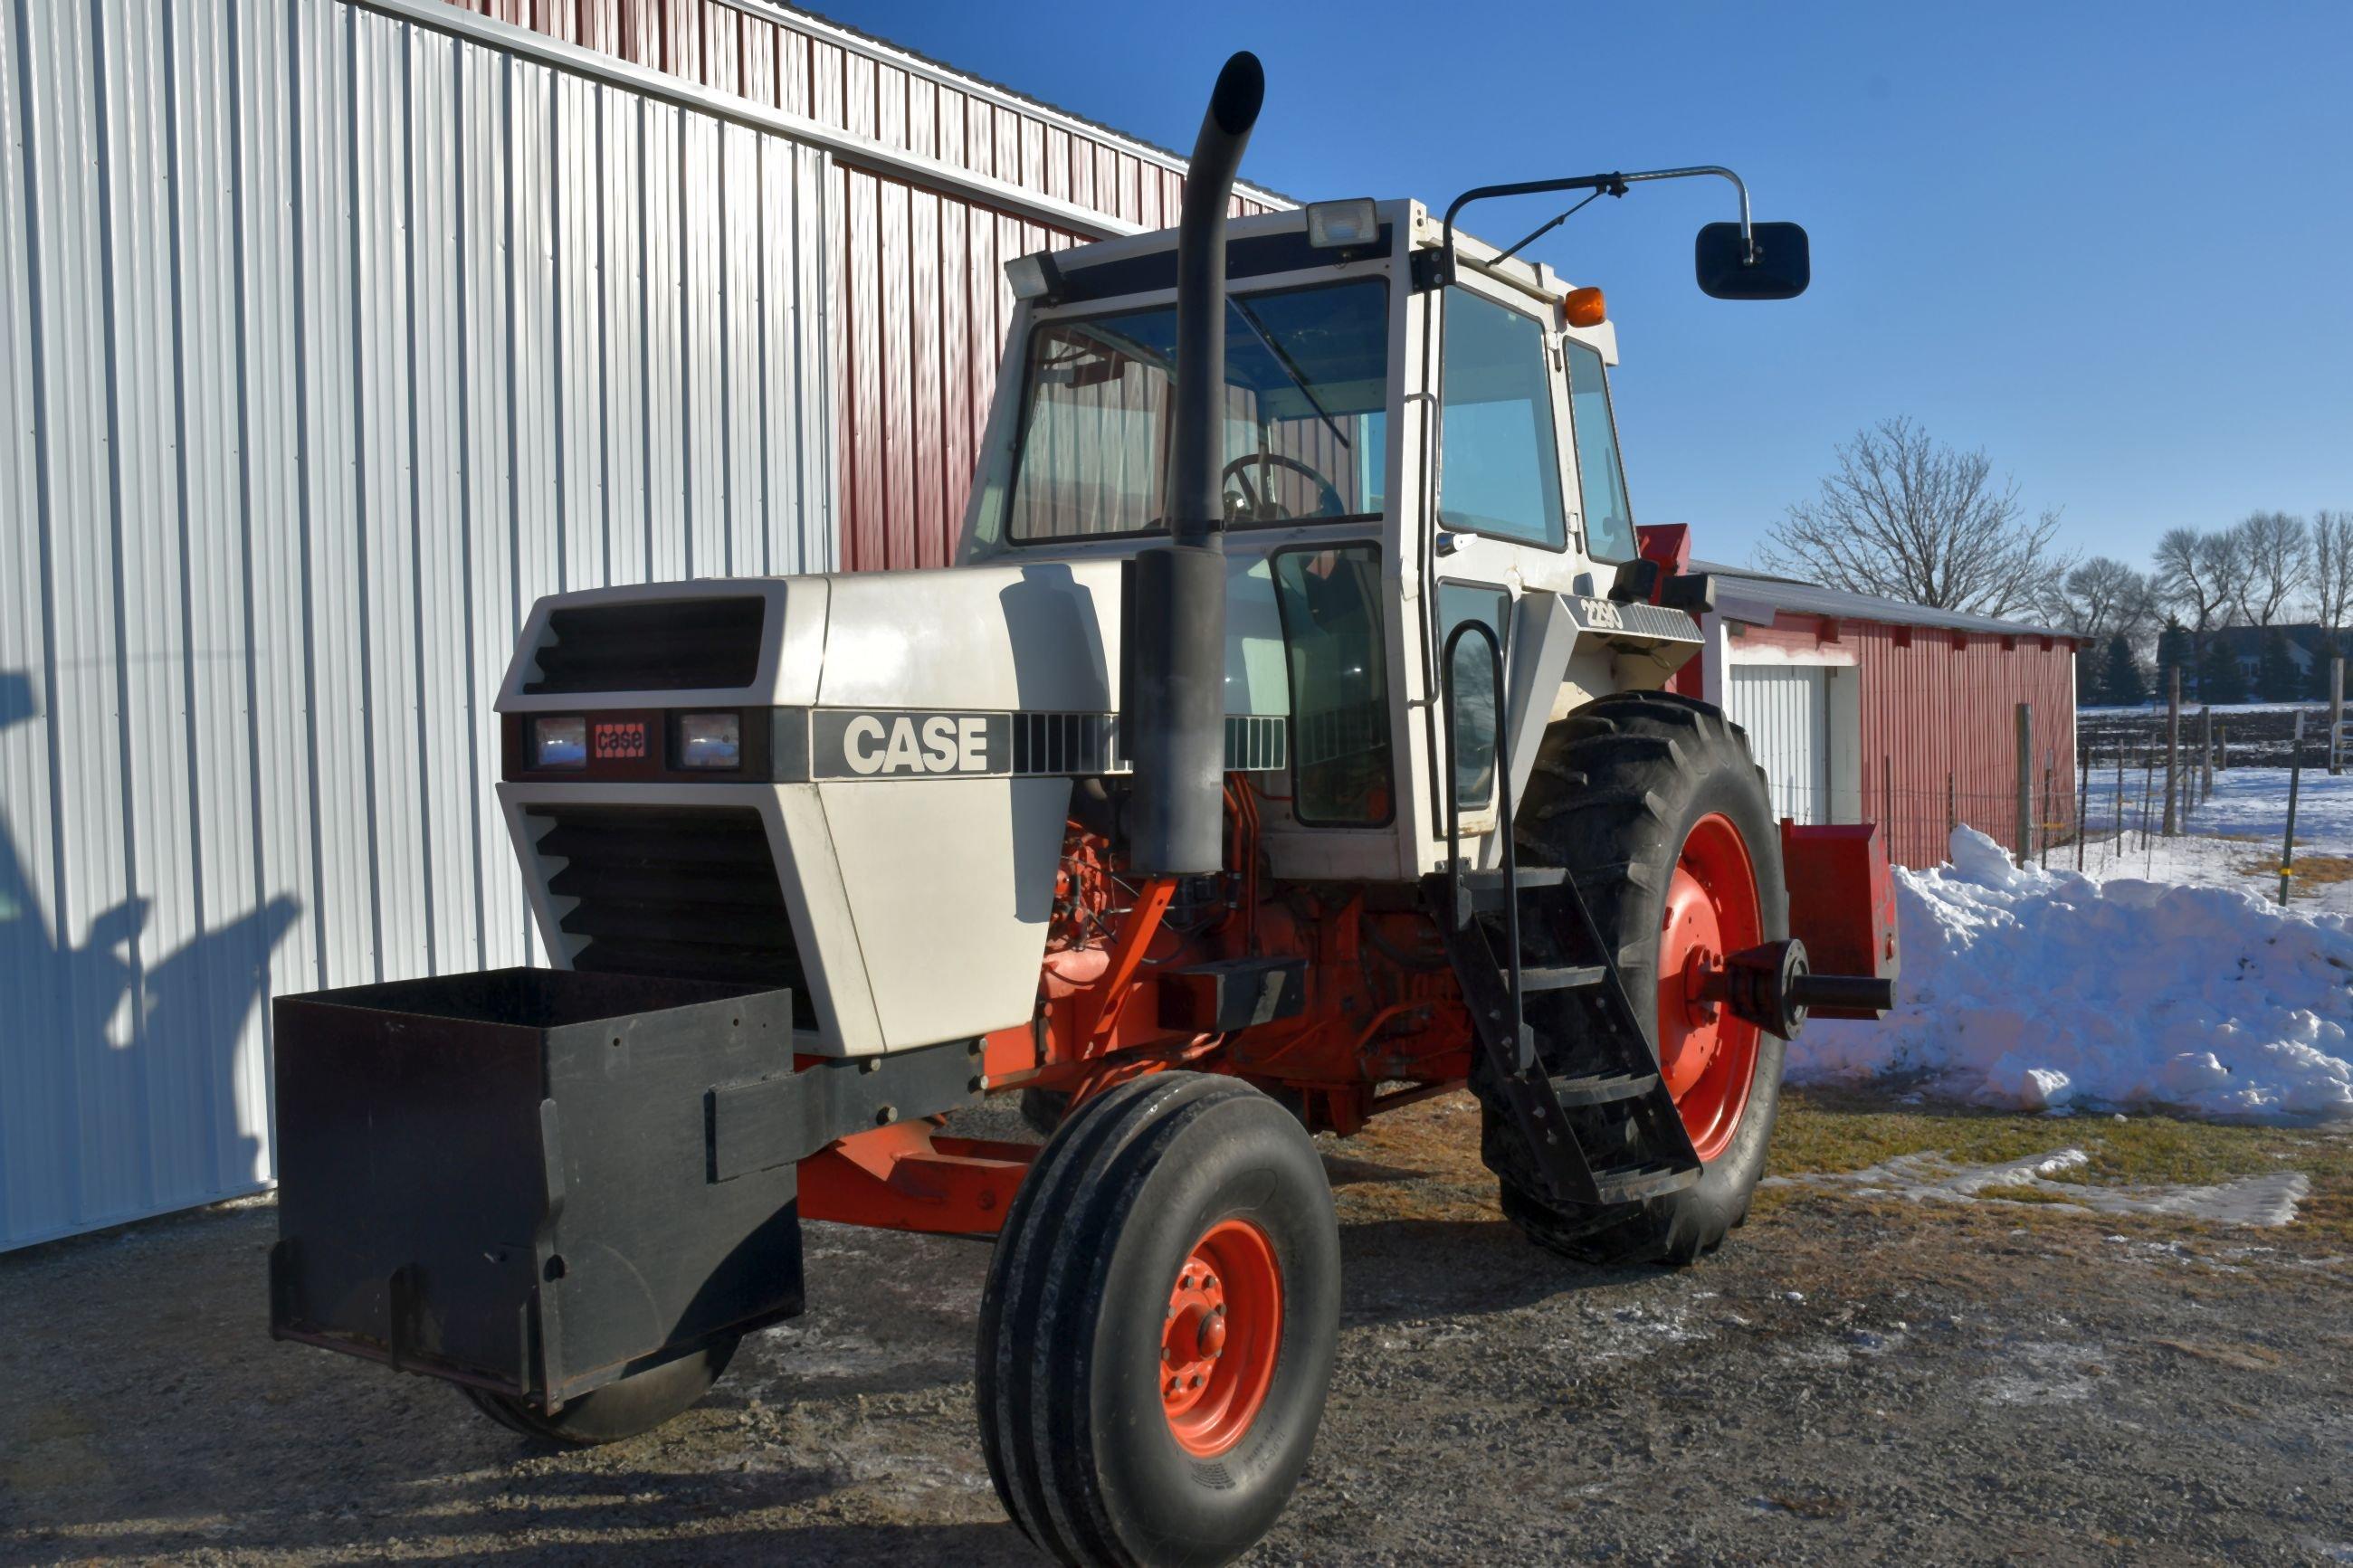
point(2184, 582)
point(2332, 569)
point(2103, 598)
point(2274, 550)
point(1910, 518)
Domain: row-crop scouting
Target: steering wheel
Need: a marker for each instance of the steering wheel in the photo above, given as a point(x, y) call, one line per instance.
point(1261, 507)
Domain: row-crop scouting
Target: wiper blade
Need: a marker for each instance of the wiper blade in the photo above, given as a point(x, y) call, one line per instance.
point(1285, 363)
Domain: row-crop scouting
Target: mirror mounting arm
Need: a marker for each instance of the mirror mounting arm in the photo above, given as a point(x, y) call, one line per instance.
point(1613, 184)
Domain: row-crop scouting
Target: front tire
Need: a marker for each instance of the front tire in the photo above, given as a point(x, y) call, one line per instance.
point(1653, 802)
point(1158, 1330)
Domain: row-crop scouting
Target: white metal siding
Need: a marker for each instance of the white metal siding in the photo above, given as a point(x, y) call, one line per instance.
point(328, 342)
point(1786, 710)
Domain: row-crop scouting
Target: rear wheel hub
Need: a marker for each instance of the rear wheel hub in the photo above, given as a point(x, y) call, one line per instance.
point(1707, 1054)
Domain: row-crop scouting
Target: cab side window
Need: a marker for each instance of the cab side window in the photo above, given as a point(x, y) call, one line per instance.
point(1477, 705)
point(1609, 521)
point(1500, 466)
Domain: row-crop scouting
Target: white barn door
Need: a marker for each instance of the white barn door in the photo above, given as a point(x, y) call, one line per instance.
point(1786, 710)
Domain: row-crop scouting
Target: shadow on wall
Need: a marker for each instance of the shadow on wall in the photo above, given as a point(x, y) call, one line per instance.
point(128, 1089)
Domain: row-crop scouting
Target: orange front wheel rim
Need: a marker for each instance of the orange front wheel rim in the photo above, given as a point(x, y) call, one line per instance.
point(1218, 1343)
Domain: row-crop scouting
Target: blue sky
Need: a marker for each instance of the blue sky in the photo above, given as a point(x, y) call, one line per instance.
point(2111, 245)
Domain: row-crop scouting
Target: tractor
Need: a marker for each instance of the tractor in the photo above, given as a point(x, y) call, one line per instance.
point(1297, 737)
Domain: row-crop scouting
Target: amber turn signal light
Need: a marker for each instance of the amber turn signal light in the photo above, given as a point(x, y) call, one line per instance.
point(1584, 308)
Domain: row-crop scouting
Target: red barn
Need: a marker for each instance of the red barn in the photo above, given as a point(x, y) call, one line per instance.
point(1869, 709)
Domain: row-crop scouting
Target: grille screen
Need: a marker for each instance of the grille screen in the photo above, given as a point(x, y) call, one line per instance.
point(685, 892)
point(657, 645)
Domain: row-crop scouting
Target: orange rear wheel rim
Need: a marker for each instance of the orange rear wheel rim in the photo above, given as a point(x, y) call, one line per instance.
point(1706, 1055)
point(1218, 1343)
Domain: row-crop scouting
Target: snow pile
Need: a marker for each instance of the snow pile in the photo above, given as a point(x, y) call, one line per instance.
point(2046, 990)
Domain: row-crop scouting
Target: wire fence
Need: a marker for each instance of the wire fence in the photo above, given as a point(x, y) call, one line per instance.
point(2109, 809)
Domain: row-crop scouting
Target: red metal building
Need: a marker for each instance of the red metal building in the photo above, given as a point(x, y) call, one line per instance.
point(1869, 709)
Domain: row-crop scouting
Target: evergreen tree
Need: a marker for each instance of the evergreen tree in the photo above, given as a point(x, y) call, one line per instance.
point(2222, 679)
point(2276, 675)
point(2090, 674)
point(2174, 651)
point(2120, 683)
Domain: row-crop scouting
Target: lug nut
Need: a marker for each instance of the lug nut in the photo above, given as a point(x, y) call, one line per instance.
point(887, 1115)
point(1196, 1380)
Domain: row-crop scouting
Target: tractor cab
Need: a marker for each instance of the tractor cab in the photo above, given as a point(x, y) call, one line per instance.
point(1408, 445)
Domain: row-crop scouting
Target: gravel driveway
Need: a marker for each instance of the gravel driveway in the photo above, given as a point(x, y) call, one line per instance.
point(1852, 1380)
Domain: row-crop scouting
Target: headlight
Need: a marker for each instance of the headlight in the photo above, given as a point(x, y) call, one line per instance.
point(559, 743)
point(710, 740)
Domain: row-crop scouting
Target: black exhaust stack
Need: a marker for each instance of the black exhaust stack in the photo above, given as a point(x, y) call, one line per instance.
point(1175, 637)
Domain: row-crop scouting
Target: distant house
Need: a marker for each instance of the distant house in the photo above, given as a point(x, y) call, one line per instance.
point(2245, 643)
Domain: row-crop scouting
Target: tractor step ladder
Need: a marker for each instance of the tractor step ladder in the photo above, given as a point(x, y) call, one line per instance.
point(1483, 914)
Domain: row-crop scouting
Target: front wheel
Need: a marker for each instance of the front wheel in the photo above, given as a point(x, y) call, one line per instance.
point(1655, 806)
point(1159, 1325)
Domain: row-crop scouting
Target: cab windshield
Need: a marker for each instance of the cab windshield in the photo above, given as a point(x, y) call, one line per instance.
point(1305, 415)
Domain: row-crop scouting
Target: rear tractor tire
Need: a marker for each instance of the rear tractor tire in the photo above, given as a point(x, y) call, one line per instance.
point(1654, 803)
point(624, 1408)
point(1158, 1334)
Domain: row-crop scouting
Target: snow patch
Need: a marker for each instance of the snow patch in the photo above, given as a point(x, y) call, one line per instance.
point(2037, 990)
point(2266, 1200)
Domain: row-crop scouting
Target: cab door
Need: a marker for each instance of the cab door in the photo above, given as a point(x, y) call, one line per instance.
point(1502, 520)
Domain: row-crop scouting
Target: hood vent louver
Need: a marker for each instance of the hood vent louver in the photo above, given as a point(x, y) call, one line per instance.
point(650, 645)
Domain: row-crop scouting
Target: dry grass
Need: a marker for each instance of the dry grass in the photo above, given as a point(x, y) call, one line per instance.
point(2311, 872)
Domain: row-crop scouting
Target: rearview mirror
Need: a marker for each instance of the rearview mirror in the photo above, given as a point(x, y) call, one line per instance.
point(1780, 269)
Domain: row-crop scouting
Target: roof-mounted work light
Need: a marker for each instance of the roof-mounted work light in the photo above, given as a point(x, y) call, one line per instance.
point(1035, 277)
point(1344, 224)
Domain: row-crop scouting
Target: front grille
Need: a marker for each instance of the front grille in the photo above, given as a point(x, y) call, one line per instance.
point(652, 644)
point(685, 892)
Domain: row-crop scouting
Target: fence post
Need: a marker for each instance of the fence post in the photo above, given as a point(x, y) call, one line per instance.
point(2121, 828)
point(2337, 714)
point(2173, 752)
point(2025, 782)
point(2050, 761)
point(2084, 810)
point(2205, 754)
point(2147, 787)
point(2294, 774)
point(2222, 748)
